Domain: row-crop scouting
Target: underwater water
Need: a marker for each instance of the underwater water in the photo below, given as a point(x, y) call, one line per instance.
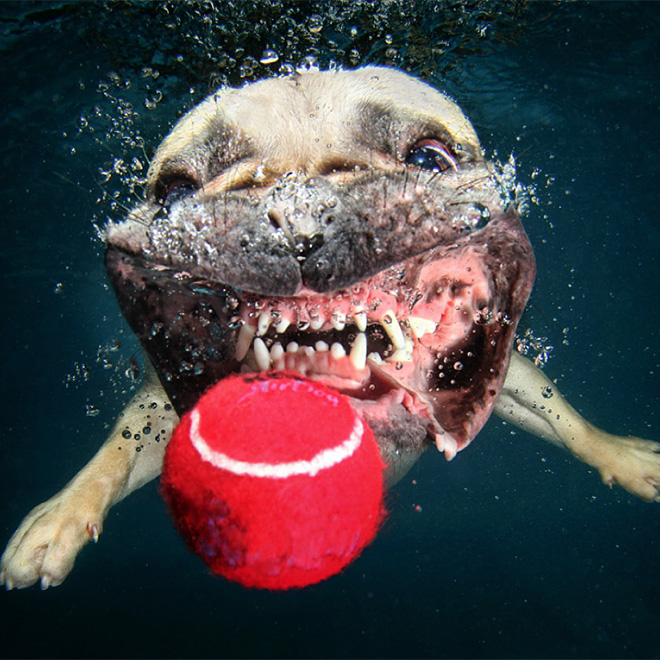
point(514, 549)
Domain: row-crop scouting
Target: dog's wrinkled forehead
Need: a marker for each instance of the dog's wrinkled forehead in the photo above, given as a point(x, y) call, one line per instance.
point(313, 122)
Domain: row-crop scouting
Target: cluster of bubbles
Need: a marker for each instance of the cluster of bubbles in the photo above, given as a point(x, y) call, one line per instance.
point(170, 55)
point(535, 347)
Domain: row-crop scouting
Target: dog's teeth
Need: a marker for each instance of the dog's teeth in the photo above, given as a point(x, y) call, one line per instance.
point(375, 357)
point(276, 351)
point(321, 346)
point(400, 355)
point(393, 330)
point(358, 353)
point(360, 319)
point(316, 323)
point(421, 326)
point(451, 447)
point(292, 347)
point(261, 354)
point(263, 324)
point(244, 341)
point(337, 351)
point(339, 321)
point(309, 351)
point(281, 326)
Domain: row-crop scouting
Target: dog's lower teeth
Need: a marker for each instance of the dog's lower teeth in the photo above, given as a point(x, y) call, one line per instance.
point(308, 351)
point(337, 351)
point(376, 358)
point(321, 346)
point(292, 347)
point(276, 351)
point(261, 355)
point(358, 355)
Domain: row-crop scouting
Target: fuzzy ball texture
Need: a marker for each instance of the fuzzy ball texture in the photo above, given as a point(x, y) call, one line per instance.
point(274, 480)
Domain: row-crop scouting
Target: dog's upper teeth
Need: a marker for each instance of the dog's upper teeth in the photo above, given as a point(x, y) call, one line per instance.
point(244, 340)
point(393, 330)
point(421, 326)
point(339, 321)
point(261, 354)
point(358, 355)
point(263, 324)
point(316, 323)
point(360, 319)
point(337, 351)
point(281, 326)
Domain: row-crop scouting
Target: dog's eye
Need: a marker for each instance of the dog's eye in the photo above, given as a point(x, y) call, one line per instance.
point(172, 191)
point(431, 155)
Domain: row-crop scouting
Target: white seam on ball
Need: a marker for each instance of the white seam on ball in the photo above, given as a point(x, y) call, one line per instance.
point(323, 460)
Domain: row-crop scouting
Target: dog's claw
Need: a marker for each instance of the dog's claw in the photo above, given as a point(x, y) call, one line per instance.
point(46, 581)
point(93, 531)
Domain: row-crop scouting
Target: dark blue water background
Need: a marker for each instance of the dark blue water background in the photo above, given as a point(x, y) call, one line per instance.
point(512, 550)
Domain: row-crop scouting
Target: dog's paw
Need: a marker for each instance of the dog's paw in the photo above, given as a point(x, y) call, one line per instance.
point(45, 546)
point(633, 463)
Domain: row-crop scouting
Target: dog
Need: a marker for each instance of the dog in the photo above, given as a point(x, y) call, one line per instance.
point(344, 225)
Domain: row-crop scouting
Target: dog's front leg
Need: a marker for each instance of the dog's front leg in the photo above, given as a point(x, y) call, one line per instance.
point(45, 546)
point(532, 402)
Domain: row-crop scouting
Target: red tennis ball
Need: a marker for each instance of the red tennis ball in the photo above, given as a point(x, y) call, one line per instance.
point(274, 480)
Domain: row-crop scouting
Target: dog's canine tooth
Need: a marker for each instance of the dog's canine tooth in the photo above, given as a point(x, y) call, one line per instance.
point(337, 351)
point(360, 319)
point(321, 346)
point(393, 330)
point(263, 324)
point(292, 347)
point(261, 354)
point(244, 341)
point(276, 351)
point(281, 326)
point(358, 355)
point(339, 321)
point(421, 326)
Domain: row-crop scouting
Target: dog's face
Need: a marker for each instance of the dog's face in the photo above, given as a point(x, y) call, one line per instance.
point(343, 225)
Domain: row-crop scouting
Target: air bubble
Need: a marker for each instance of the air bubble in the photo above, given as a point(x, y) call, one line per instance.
point(315, 23)
point(269, 56)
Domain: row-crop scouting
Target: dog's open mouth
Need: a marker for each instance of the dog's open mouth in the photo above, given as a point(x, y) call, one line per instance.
point(421, 346)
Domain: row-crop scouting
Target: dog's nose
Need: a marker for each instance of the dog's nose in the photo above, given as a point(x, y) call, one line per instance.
point(305, 246)
point(302, 209)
